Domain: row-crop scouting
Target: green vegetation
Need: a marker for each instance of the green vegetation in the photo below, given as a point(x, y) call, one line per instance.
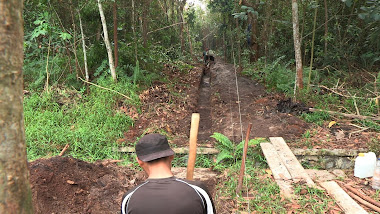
point(229, 152)
point(263, 192)
point(60, 108)
point(89, 123)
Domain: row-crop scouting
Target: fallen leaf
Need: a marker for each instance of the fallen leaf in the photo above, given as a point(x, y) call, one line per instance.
point(332, 123)
point(268, 171)
point(303, 191)
point(339, 135)
point(70, 182)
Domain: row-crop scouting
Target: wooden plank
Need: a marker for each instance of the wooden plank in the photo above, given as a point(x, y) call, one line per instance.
point(289, 159)
point(286, 189)
point(348, 205)
point(279, 171)
point(180, 150)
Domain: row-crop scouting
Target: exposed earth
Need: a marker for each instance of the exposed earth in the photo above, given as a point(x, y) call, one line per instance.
point(68, 185)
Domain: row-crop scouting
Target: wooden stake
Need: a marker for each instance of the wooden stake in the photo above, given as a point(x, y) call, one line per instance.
point(193, 145)
point(64, 150)
point(242, 168)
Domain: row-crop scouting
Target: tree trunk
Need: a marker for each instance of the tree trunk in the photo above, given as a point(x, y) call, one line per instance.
point(190, 44)
point(238, 41)
point(326, 25)
point(181, 6)
point(145, 21)
point(172, 12)
point(107, 42)
point(224, 39)
point(84, 48)
point(267, 26)
point(254, 36)
point(297, 45)
point(77, 68)
point(115, 34)
point(252, 27)
point(15, 192)
point(134, 28)
point(312, 48)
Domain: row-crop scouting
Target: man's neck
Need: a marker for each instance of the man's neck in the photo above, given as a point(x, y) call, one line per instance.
point(159, 171)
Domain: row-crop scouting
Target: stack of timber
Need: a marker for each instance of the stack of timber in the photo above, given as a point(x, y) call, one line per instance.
point(287, 171)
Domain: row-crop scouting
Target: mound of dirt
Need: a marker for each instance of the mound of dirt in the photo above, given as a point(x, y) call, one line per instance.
point(69, 185)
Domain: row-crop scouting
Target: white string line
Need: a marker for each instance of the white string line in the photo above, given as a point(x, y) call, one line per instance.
point(241, 126)
point(238, 96)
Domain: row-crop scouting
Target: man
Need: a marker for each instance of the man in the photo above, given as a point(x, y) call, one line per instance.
point(162, 192)
point(210, 55)
point(205, 56)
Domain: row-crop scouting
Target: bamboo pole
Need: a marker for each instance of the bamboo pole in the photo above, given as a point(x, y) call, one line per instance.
point(242, 168)
point(193, 145)
point(364, 202)
point(365, 197)
point(47, 68)
point(84, 48)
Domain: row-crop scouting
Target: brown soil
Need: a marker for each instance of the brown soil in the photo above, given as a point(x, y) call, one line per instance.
point(67, 185)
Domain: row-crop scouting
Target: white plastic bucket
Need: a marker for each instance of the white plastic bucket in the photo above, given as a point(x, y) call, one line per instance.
point(365, 165)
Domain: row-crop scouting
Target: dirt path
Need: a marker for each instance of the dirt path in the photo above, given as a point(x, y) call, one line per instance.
point(68, 185)
point(218, 105)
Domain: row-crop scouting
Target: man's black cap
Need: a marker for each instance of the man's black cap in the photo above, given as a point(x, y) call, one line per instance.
point(153, 146)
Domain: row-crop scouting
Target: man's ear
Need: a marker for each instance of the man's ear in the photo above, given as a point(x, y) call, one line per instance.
point(140, 162)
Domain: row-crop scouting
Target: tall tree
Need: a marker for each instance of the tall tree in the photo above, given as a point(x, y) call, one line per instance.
point(252, 22)
point(134, 30)
point(180, 14)
point(83, 48)
point(145, 21)
point(115, 33)
point(107, 42)
point(326, 25)
point(297, 45)
point(15, 193)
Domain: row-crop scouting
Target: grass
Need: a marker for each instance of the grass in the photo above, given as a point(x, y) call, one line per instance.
point(264, 193)
point(91, 124)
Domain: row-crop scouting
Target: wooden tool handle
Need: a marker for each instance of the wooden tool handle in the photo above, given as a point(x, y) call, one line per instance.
point(193, 145)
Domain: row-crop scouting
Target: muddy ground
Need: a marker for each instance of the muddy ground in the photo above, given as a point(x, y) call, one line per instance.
point(67, 185)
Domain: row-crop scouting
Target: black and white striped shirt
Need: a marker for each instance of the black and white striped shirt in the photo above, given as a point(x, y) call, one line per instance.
point(168, 195)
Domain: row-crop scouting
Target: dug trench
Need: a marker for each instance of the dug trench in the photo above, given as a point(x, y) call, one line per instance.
point(227, 103)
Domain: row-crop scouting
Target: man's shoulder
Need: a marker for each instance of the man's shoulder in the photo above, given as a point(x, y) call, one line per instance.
point(133, 189)
point(196, 183)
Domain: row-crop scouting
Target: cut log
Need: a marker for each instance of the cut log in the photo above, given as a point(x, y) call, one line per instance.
point(348, 205)
point(295, 169)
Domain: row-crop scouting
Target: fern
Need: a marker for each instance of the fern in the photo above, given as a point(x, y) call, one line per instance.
point(229, 150)
point(252, 142)
point(225, 142)
point(223, 155)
